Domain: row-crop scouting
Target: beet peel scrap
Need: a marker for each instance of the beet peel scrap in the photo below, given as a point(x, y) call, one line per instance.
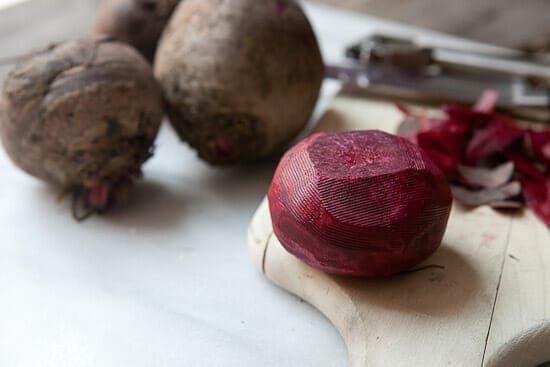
point(488, 196)
point(540, 145)
point(487, 157)
point(361, 203)
point(495, 138)
point(488, 177)
point(537, 197)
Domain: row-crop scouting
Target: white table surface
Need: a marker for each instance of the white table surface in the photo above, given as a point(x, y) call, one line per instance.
point(164, 280)
point(6, 3)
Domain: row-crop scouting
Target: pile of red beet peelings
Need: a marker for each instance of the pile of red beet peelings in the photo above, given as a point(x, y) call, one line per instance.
point(487, 157)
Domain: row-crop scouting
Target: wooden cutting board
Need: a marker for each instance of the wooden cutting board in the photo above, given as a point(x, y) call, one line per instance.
point(489, 306)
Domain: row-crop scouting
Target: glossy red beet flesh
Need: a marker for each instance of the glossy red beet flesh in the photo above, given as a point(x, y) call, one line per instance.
point(362, 203)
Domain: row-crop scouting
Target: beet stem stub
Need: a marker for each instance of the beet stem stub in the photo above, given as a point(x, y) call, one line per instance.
point(80, 208)
point(362, 203)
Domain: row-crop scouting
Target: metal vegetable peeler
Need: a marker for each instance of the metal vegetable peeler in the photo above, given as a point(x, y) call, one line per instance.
point(391, 66)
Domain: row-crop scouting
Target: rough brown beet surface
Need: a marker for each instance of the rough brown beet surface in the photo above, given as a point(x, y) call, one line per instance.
point(363, 203)
point(136, 22)
point(81, 114)
point(240, 77)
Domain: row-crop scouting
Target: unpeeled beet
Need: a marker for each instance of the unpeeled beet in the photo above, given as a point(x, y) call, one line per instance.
point(362, 203)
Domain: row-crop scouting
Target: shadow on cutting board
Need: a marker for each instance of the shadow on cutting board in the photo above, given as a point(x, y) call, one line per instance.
point(442, 291)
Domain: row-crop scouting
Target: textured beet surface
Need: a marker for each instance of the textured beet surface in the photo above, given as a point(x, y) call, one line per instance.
point(362, 203)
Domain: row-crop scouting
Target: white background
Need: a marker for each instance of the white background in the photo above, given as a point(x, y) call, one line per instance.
point(6, 3)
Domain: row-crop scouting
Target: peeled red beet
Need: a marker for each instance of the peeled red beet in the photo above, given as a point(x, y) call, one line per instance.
point(361, 203)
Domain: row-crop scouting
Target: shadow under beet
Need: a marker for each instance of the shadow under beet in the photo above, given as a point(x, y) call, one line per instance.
point(151, 205)
point(432, 292)
point(241, 186)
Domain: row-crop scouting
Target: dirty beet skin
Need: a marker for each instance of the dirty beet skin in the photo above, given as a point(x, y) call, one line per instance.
point(137, 22)
point(362, 203)
point(82, 115)
point(240, 77)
